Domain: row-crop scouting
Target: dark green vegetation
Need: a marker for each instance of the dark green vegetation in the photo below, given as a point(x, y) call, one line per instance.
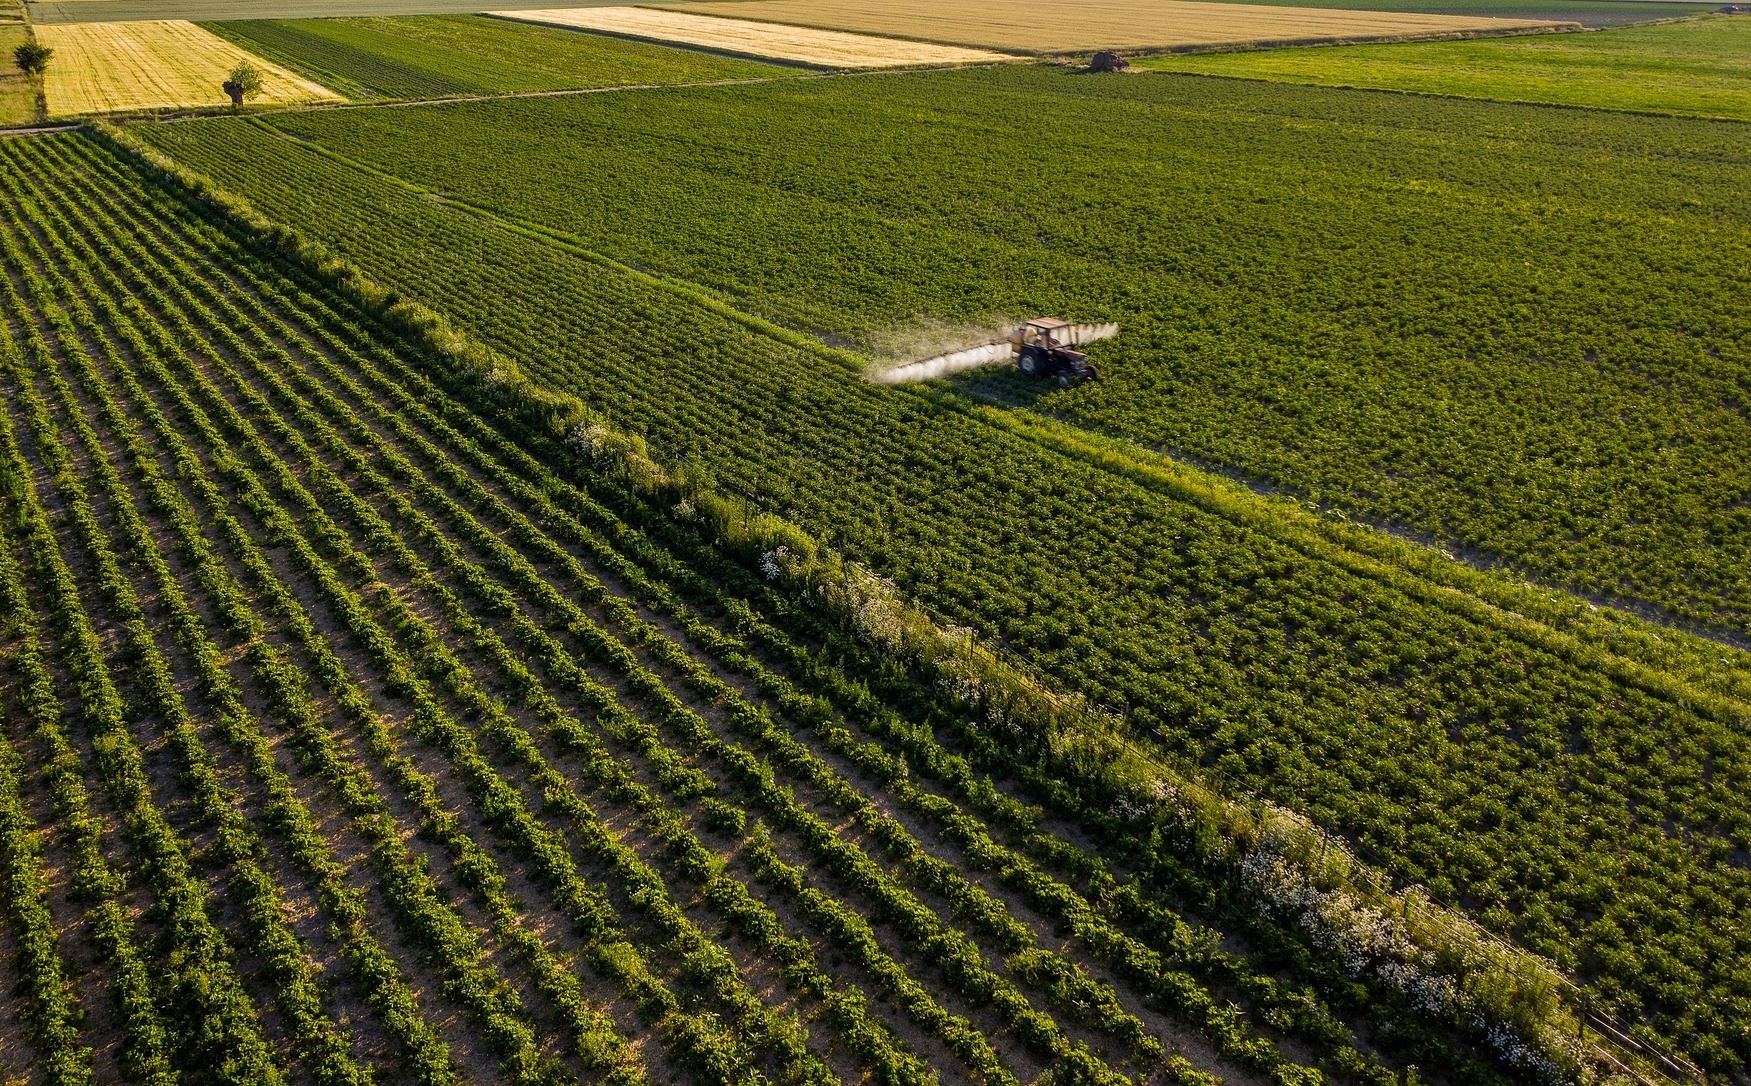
point(470, 54)
point(1699, 66)
point(349, 735)
point(1336, 289)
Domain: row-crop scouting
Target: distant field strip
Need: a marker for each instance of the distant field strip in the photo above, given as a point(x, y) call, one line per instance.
point(1701, 66)
point(435, 56)
point(828, 48)
point(97, 11)
point(107, 67)
point(1066, 26)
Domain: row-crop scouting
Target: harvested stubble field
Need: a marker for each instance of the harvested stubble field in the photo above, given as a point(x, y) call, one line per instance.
point(823, 48)
point(1067, 26)
point(162, 64)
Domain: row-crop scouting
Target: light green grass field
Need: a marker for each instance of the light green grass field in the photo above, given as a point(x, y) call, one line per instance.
point(1590, 12)
point(1699, 66)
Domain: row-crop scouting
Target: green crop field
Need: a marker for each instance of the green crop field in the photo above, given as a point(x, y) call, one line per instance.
point(435, 56)
point(1332, 290)
point(1700, 66)
point(484, 596)
point(1558, 401)
point(362, 725)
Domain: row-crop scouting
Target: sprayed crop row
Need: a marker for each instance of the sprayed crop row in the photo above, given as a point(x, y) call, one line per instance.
point(392, 730)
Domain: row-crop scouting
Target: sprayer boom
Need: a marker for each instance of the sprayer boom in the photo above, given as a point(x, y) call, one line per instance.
point(1041, 347)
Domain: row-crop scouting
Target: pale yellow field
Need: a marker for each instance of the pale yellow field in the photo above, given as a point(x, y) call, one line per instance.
point(828, 48)
point(1066, 26)
point(110, 67)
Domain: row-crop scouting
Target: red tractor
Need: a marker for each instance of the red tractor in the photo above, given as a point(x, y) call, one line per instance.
point(1043, 348)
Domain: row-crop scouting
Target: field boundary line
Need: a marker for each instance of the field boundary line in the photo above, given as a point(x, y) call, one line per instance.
point(37, 130)
point(1130, 462)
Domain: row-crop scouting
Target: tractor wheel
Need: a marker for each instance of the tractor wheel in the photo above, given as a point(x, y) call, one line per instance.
point(1029, 365)
point(1065, 380)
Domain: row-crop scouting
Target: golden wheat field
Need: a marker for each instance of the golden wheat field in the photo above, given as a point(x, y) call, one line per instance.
point(112, 67)
point(768, 40)
point(1067, 26)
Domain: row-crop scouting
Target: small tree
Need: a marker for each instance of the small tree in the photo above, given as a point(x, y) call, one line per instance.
point(243, 83)
point(32, 57)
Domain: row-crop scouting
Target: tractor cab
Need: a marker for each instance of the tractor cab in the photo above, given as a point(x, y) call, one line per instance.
point(1042, 350)
point(1039, 331)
